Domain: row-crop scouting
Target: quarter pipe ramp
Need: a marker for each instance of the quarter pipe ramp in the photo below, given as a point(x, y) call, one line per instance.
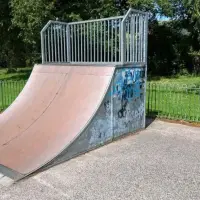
point(66, 110)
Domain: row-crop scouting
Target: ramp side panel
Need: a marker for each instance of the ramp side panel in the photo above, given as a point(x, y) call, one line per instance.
point(98, 131)
point(128, 100)
point(125, 92)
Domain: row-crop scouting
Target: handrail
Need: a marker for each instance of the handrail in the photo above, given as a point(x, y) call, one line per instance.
point(120, 39)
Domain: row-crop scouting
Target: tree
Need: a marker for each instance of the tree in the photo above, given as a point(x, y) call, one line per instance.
point(11, 47)
point(30, 16)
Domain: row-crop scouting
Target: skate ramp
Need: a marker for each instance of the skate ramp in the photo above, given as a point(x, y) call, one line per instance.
point(56, 104)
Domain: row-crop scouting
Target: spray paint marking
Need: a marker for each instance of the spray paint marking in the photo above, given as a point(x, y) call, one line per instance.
point(129, 85)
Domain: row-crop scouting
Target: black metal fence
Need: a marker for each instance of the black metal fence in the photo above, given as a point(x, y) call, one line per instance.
point(171, 101)
point(9, 90)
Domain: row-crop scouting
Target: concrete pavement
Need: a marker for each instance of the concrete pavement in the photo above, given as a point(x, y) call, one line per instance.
point(161, 162)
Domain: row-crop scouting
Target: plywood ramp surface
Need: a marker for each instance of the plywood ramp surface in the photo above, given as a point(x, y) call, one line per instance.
point(51, 111)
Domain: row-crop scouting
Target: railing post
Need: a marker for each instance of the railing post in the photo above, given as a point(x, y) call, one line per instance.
point(68, 35)
point(123, 42)
point(42, 47)
point(146, 18)
point(2, 93)
point(123, 36)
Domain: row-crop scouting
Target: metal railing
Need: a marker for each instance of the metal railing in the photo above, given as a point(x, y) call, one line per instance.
point(9, 90)
point(171, 101)
point(120, 39)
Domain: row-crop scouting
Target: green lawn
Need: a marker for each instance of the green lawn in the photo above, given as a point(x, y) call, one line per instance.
point(188, 80)
point(173, 101)
point(20, 74)
point(173, 98)
point(9, 90)
point(11, 85)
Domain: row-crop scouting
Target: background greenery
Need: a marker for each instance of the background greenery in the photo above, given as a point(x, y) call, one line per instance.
point(174, 45)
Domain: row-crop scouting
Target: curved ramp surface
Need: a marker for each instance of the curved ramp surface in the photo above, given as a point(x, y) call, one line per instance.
point(56, 104)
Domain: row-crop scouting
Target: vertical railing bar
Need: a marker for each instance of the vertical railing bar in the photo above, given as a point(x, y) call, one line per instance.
point(104, 41)
point(148, 99)
point(116, 24)
point(13, 92)
point(42, 46)
point(6, 97)
point(112, 42)
point(81, 42)
point(45, 39)
point(55, 43)
point(146, 49)
point(10, 92)
point(84, 37)
point(44, 36)
point(52, 54)
point(88, 52)
point(127, 41)
point(94, 41)
point(138, 37)
point(75, 40)
point(2, 93)
point(58, 45)
point(97, 41)
point(132, 33)
point(72, 45)
point(136, 51)
point(101, 41)
point(139, 51)
point(65, 45)
point(78, 34)
point(61, 42)
point(68, 43)
point(49, 52)
point(129, 46)
point(143, 33)
point(141, 39)
point(120, 41)
point(91, 43)
point(198, 103)
point(134, 36)
point(108, 41)
point(5, 94)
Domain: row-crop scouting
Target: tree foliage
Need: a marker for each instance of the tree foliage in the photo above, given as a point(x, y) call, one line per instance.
point(174, 45)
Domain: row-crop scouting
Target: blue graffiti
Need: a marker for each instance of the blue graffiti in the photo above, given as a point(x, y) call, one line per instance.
point(129, 83)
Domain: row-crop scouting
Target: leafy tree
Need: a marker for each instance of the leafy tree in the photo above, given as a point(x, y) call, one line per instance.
point(173, 45)
point(11, 47)
point(30, 16)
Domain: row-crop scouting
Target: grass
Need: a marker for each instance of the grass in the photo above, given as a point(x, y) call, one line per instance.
point(188, 80)
point(9, 90)
point(20, 74)
point(11, 85)
point(176, 98)
point(173, 101)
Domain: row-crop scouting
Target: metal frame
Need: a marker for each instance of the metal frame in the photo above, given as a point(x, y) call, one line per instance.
point(114, 40)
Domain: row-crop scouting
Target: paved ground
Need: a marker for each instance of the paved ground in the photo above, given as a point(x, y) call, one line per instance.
point(162, 162)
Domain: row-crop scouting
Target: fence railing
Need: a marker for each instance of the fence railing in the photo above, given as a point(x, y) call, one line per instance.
point(171, 101)
point(120, 39)
point(9, 90)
